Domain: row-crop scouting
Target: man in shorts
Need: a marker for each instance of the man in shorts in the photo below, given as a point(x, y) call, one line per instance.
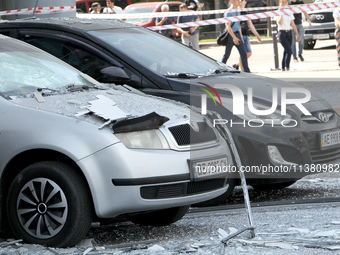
point(245, 26)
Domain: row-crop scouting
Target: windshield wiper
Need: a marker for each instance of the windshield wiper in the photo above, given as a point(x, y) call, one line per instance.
point(74, 87)
point(181, 75)
point(48, 91)
point(220, 70)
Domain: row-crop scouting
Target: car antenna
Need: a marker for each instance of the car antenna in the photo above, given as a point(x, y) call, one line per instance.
point(35, 7)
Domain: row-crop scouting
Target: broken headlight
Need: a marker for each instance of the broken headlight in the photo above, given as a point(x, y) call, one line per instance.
point(147, 139)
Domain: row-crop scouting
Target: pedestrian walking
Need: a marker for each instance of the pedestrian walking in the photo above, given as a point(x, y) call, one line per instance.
point(336, 15)
point(245, 26)
point(285, 25)
point(160, 21)
point(235, 38)
point(301, 31)
point(190, 35)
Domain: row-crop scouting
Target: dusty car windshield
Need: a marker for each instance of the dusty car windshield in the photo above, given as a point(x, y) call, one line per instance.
point(24, 69)
point(157, 52)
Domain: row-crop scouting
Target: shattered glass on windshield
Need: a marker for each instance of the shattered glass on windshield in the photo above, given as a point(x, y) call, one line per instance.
point(26, 70)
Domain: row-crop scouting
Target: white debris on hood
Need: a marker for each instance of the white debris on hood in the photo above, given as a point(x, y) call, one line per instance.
point(128, 102)
point(222, 234)
point(300, 230)
point(105, 108)
point(156, 248)
point(38, 97)
point(282, 245)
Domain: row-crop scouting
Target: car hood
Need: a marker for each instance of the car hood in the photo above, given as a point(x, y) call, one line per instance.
point(101, 107)
point(262, 86)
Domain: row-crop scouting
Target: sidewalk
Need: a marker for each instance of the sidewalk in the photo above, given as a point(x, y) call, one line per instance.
point(212, 44)
point(320, 63)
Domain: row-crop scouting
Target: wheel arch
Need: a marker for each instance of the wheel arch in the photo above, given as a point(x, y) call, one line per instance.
point(22, 160)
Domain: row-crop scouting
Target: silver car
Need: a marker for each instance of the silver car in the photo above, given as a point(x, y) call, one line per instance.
point(72, 149)
point(323, 26)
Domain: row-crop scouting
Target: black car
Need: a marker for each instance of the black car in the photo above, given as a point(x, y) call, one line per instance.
point(276, 149)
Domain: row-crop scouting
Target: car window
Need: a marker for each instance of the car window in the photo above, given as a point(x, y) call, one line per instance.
point(75, 55)
point(157, 52)
point(24, 69)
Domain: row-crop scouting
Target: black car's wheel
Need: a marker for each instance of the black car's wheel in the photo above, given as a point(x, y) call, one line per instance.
point(220, 199)
point(161, 217)
point(309, 44)
point(48, 203)
point(273, 186)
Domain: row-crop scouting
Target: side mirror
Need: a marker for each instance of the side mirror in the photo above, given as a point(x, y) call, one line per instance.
point(114, 74)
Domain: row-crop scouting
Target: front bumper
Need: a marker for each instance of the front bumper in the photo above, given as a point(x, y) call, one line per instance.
point(124, 180)
point(300, 145)
point(319, 31)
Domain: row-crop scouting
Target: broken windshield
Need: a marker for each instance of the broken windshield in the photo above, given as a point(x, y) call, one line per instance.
point(24, 69)
point(159, 53)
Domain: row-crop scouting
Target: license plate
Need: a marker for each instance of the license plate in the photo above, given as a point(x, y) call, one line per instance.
point(207, 168)
point(330, 138)
point(321, 36)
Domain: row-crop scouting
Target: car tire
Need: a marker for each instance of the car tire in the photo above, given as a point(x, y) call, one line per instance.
point(273, 186)
point(220, 199)
point(309, 45)
point(161, 217)
point(48, 203)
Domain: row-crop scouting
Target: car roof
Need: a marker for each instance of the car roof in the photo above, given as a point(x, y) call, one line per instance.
point(68, 24)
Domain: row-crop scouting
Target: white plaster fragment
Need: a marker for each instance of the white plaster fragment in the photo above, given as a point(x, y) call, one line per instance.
point(300, 230)
point(105, 108)
point(222, 233)
point(156, 248)
point(282, 245)
point(87, 250)
point(38, 97)
point(86, 243)
point(329, 233)
point(232, 230)
point(333, 248)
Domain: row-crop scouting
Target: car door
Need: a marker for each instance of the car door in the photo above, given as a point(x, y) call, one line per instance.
point(80, 53)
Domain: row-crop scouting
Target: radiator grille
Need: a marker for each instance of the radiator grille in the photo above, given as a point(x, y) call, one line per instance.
point(186, 135)
point(326, 156)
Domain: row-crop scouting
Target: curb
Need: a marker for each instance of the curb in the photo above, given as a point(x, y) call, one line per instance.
point(337, 109)
point(214, 44)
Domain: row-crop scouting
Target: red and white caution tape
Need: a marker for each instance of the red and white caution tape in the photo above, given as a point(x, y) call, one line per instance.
point(39, 10)
point(270, 14)
point(168, 14)
point(305, 7)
